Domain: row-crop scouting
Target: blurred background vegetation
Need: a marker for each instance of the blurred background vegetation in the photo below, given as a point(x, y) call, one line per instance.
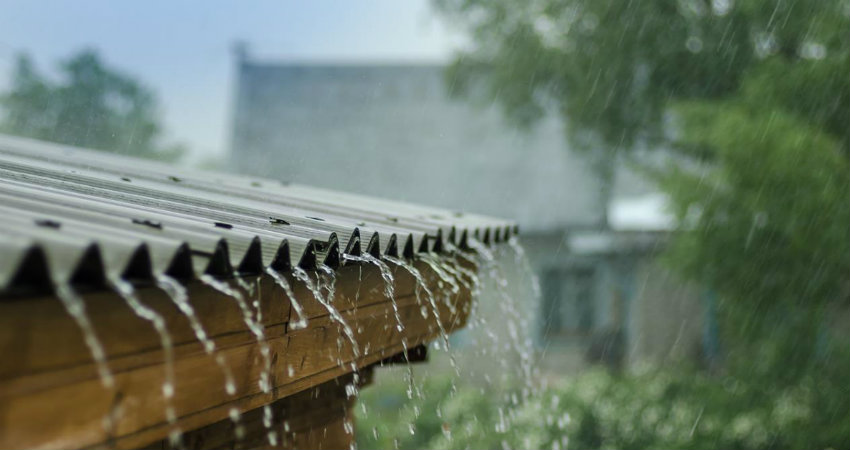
point(748, 104)
point(650, 408)
point(750, 101)
point(90, 105)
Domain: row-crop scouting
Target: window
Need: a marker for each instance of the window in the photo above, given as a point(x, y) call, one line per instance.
point(568, 309)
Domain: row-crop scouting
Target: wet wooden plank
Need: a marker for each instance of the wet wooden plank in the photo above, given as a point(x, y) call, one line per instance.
point(313, 418)
point(50, 395)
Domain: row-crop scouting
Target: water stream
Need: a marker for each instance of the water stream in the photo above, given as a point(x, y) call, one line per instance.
point(473, 282)
point(257, 329)
point(315, 288)
point(436, 264)
point(352, 389)
point(389, 282)
point(248, 317)
point(178, 295)
point(518, 331)
point(429, 295)
point(73, 303)
point(389, 293)
point(281, 281)
point(451, 272)
point(125, 290)
point(522, 260)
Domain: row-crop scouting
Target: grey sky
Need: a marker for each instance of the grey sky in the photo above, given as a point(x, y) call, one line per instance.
point(182, 49)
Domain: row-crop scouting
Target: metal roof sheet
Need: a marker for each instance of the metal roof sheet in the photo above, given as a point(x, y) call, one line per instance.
point(78, 216)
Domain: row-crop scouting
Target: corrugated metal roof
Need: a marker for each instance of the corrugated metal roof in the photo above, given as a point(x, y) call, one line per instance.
point(78, 216)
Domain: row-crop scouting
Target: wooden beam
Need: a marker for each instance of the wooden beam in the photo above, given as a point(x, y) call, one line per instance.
point(314, 418)
point(51, 397)
point(418, 354)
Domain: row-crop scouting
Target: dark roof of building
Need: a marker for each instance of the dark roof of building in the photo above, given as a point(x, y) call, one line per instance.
point(77, 216)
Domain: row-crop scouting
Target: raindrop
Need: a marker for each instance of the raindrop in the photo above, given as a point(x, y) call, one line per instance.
point(693, 44)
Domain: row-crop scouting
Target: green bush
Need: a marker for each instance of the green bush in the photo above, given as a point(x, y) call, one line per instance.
point(647, 409)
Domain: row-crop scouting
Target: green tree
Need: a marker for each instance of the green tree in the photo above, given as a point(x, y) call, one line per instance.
point(612, 68)
point(751, 97)
point(91, 105)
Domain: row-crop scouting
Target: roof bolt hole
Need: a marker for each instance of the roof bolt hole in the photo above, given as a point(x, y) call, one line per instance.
point(48, 223)
point(148, 223)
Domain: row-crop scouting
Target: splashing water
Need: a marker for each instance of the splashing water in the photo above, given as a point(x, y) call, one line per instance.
point(455, 255)
point(268, 414)
point(437, 266)
point(473, 282)
point(177, 293)
point(301, 275)
point(330, 286)
point(255, 328)
point(420, 281)
point(389, 293)
point(281, 281)
point(478, 269)
point(125, 291)
point(389, 282)
point(522, 260)
point(77, 310)
point(517, 324)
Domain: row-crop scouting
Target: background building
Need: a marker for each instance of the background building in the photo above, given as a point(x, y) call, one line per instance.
point(392, 131)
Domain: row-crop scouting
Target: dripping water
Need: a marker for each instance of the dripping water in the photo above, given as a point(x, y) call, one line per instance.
point(248, 318)
point(177, 293)
point(330, 284)
point(268, 414)
point(268, 421)
point(437, 266)
point(509, 306)
point(429, 295)
point(125, 291)
point(287, 289)
point(301, 275)
point(73, 303)
point(389, 281)
point(246, 286)
point(453, 262)
point(326, 280)
point(238, 428)
point(389, 293)
point(351, 389)
point(255, 328)
point(517, 325)
point(522, 260)
point(420, 283)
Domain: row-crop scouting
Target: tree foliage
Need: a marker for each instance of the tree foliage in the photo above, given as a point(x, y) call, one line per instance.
point(91, 105)
point(753, 99)
point(612, 68)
